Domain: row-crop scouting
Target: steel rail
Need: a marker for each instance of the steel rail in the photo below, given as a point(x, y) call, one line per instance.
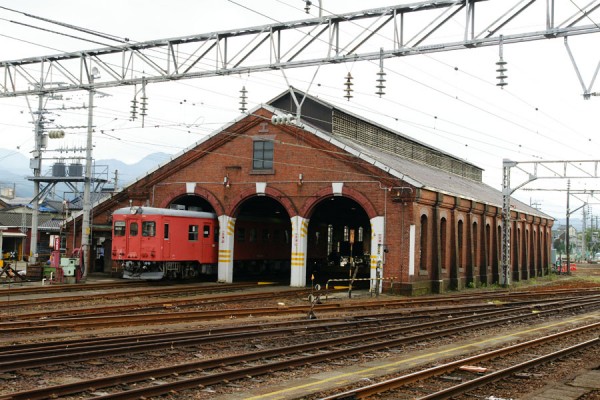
point(162, 318)
point(9, 362)
point(126, 294)
point(394, 383)
point(379, 320)
point(503, 373)
point(15, 289)
point(155, 305)
point(362, 338)
point(174, 387)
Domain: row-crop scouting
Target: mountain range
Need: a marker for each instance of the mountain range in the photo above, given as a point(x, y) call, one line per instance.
point(15, 169)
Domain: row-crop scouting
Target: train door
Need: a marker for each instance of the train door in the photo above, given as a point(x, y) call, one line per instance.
point(166, 243)
point(209, 242)
point(134, 243)
point(148, 238)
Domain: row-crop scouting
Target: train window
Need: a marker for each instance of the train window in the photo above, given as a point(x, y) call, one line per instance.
point(206, 232)
point(166, 231)
point(133, 229)
point(216, 234)
point(240, 234)
point(149, 228)
point(262, 158)
point(266, 235)
point(252, 235)
point(276, 236)
point(193, 233)
point(119, 228)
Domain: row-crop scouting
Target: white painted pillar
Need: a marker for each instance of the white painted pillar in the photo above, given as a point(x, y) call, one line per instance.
point(411, 251)
point(377, 249)
point(299, 248)
point(226, 240)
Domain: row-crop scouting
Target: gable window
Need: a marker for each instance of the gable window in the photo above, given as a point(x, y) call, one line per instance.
point(262, 155)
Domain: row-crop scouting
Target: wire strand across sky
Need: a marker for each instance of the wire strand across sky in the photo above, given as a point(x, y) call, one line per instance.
point(449, 100)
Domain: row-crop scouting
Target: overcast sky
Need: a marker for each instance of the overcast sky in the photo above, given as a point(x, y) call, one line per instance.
point(449, 100)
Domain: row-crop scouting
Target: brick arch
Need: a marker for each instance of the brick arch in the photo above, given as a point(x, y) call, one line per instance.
point(269, 192)
point(198, 191)
point(309, 206)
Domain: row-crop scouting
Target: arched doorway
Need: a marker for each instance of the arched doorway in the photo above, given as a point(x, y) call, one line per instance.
point(339, 240)
point(262, 241)
point(191, 203)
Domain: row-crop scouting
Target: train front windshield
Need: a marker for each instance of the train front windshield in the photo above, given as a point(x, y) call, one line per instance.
point(119, 228)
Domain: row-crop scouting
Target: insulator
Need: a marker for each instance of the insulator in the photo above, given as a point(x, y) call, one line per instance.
point(56, 134)
point(287, 119)
point(380, 75)
point(307, 5)
point(380, 83)
point(243, 99)
point(501, 64)
point(348, 89)
point(143, 106)
point(134, 108)
point(501, 70)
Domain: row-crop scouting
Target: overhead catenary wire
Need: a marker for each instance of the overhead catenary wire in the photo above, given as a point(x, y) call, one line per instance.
point(440, 119)
point(241, 6)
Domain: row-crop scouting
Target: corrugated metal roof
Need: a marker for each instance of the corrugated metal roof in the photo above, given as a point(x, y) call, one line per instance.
point(441, 181)
point(53, 225)
point(13, 220)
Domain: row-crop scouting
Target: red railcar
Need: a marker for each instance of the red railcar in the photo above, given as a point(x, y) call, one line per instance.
point(262, 247)
point(154, 243)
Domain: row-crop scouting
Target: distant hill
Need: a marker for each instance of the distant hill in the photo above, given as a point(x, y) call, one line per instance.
point(128, 173)
point(14, 170)
point(576, 223)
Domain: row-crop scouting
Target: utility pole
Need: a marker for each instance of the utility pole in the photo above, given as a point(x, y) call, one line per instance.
point(583, 250)
point(85, 224)
point(36, 164)
point(568, 233)
point(116, 185)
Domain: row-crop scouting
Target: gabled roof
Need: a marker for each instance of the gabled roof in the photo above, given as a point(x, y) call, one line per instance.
point(417, 174)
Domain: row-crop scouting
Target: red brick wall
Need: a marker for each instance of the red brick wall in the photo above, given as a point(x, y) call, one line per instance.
point(229, 154)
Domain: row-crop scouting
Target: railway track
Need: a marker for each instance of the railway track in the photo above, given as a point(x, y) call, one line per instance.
point(235, 367)
point(20, 288)
point(113, 295)
point(123, 317)
point(471, 384)
point(164, 304)
point(40, 354)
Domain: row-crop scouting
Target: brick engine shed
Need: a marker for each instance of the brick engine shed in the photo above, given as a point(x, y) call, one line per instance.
point(348, 194)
